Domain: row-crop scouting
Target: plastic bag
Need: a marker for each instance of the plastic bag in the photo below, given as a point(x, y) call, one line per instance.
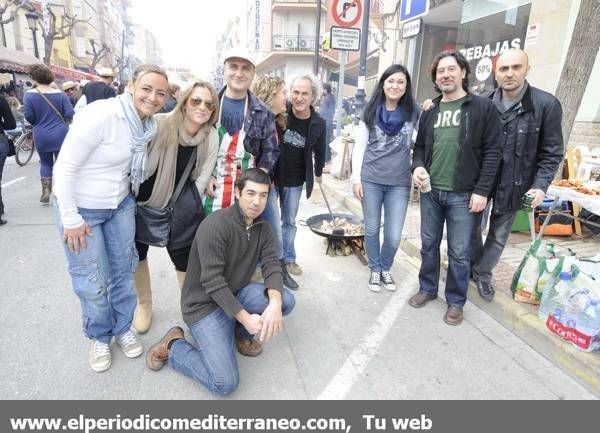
point(540, 266)
point(571, 309)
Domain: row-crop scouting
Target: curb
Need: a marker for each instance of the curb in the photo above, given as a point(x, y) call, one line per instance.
point(583, 367)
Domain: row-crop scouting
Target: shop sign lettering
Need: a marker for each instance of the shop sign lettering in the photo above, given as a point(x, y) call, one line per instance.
point(489, 50)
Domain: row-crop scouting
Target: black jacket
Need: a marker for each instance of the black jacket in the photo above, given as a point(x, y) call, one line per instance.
point(533, 148)
point(315, 144)
point(479, 144)
point(95, 90)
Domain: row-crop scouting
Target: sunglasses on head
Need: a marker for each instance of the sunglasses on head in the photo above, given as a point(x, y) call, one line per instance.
point(195, 102)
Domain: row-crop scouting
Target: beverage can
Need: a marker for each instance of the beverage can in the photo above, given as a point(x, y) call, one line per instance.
point(527, 200)
point(426, 187)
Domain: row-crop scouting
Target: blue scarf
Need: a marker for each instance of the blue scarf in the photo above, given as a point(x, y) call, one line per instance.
point(142, 132)
point(390, 122)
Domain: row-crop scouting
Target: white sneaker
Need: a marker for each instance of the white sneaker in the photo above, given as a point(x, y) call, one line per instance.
point(375, 281)
point(131, 345)
point(388, 281)
point(100, 357)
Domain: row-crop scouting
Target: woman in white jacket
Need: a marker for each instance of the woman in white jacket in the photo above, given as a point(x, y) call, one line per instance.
point(103, 159)
point(381, 174)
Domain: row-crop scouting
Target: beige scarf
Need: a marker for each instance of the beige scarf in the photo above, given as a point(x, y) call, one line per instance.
point(162, 159)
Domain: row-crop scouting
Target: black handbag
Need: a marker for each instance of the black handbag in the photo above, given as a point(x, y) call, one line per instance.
point(11, 147)
point(153, 226)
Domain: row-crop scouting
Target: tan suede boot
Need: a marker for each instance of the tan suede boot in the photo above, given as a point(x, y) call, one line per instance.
point(143, 313)
point(180, 278)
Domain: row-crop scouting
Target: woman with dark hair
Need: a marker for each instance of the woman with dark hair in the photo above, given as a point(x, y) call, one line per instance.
point(186, 132)
point(49, 110)
point(381, 174)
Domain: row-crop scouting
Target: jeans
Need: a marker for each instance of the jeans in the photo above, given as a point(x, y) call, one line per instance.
point(102, 274)
point(452, 208)
point(47, 160)
point(272, 215)
point(394, 200)
point(212, 361)
point(290, 202)
point(3, 156)
point(488, 256)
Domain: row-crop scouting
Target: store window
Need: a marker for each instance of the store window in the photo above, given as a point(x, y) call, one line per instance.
point(481, 30)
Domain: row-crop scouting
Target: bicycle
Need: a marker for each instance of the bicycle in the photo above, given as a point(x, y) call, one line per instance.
point(23, 140)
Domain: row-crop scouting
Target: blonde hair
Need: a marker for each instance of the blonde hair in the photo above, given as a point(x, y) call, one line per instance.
point(168, 132)
point(265, 89)
point(146, 68)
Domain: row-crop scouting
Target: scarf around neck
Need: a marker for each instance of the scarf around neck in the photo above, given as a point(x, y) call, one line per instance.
point(162, 159)
point(142, 131)
point(390, 122)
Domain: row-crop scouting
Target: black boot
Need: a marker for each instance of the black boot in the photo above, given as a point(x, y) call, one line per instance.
point(288, 281)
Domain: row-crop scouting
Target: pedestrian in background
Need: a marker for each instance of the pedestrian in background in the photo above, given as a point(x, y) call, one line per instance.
point(7, 122)
point(70, 87)
point(188, 131)
point(49, 111)
point(174, 91)
point(271, 90)
point(327, 112)
point(103, 159)
point(381, 175)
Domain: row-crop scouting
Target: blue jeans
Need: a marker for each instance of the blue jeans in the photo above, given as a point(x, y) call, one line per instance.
point(452, 208)
point(3, 155)
point(102, 274)
point(394, 200)
point(272, 215)
point(290, 202)
point(212, 361)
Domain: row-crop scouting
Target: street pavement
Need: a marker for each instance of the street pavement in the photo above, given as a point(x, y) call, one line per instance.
point(341, 341)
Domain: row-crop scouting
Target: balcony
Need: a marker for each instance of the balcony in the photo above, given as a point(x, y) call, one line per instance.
point(293, 43)
point(297, 4)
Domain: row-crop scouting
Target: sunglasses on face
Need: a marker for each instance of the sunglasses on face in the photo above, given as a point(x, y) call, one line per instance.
point(196, 102)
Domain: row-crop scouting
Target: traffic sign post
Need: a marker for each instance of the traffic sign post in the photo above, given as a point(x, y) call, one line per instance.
point(411, 9)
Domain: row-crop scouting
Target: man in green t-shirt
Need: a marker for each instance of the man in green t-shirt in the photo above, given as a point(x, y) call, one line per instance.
point(458, 152)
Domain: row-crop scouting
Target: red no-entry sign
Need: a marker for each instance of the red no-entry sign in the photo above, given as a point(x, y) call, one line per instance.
point(346, 13)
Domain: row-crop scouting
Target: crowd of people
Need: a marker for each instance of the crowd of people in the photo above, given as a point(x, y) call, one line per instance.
point(227, 170)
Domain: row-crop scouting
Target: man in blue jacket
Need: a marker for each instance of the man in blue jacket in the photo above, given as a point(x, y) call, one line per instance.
point(532, 152)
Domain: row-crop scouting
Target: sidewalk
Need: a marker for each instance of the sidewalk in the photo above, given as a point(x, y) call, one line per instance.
point(519, 318)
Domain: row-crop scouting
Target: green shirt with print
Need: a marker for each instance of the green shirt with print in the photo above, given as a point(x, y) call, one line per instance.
point(446, 135)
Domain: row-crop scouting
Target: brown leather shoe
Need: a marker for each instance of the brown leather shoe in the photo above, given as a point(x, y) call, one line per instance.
point(248, 347)
point(454, 315)
point(158, 354)
point(420, 299)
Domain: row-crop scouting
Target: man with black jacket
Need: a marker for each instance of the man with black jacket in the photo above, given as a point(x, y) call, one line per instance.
point(303, 138)
point(218, 302)
point(457, 154)
point(532, 152)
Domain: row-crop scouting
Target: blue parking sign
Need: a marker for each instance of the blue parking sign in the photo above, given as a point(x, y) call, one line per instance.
point(411, 9)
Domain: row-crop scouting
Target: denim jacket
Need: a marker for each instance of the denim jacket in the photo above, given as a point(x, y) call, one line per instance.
point(261, 135)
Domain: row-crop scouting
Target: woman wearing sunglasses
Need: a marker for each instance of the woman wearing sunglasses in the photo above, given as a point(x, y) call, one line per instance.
point(186, 132)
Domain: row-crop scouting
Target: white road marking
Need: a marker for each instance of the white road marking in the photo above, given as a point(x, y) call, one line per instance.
point(18, 179)
point(353, 368)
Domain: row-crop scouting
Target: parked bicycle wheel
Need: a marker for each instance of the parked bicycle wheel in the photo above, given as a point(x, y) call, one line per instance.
point(24, 148)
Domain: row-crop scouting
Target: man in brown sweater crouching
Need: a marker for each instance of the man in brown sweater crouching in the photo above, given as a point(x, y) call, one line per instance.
point(218, 302)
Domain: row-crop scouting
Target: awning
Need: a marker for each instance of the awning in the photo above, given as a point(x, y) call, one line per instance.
point(67, 74)
point(16, 61)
